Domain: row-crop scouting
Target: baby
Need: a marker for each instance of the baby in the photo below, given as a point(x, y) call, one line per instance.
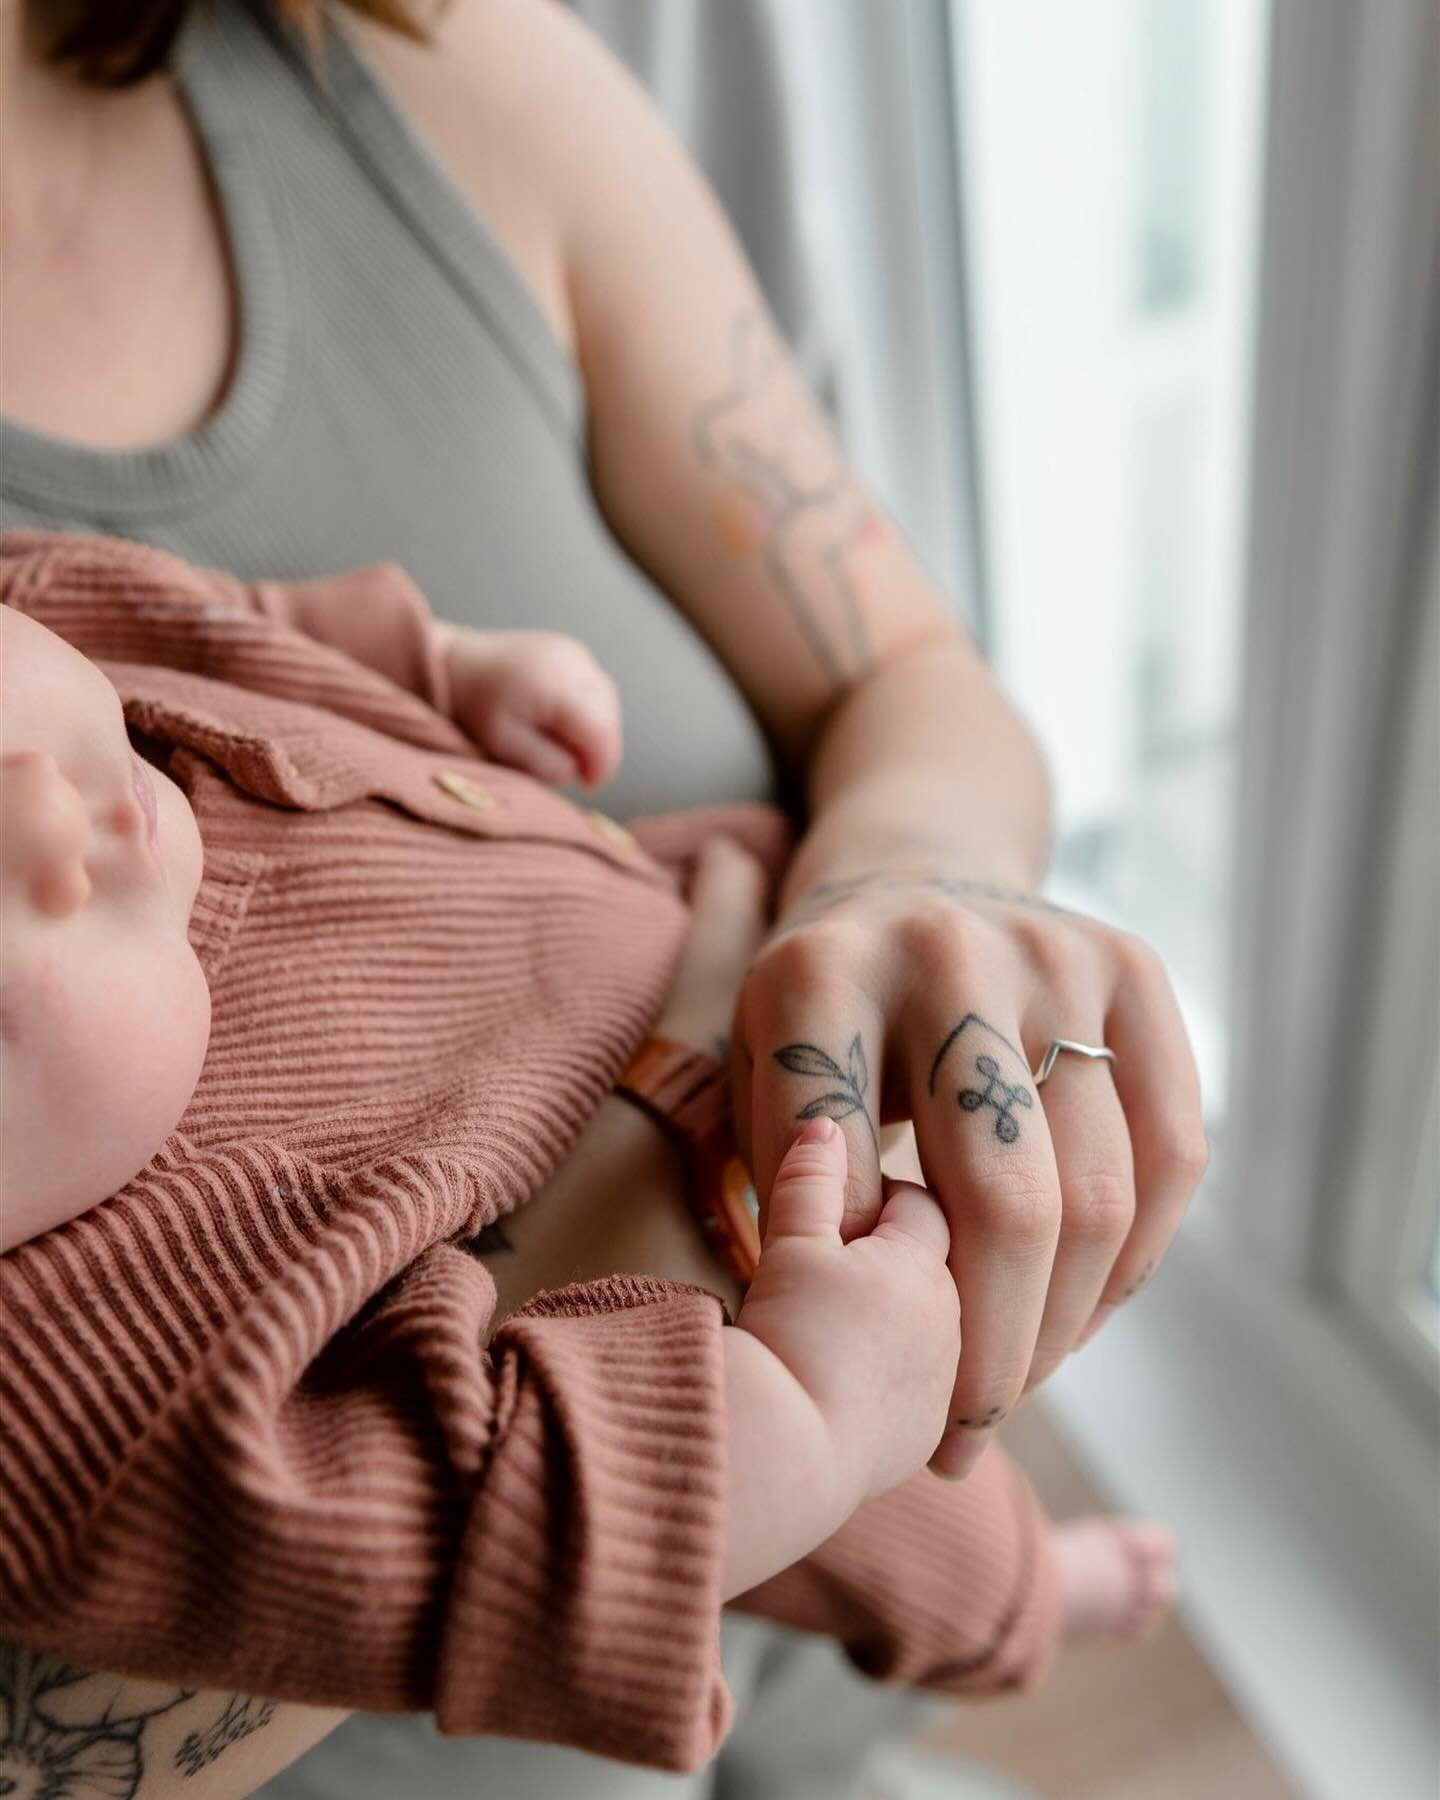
point(334, 1186)
point(100, 860)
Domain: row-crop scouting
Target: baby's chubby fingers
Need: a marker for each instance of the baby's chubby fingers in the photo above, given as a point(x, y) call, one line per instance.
point(808, 1198)
point(536, 700)
point(585, 722)
point(912, 1215)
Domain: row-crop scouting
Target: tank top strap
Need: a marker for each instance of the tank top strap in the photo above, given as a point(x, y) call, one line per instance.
point(350, 100)
point(264, 102)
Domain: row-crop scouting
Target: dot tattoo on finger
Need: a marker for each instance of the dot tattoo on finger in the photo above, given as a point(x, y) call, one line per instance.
point(1140, 1280)
point(985, 1421)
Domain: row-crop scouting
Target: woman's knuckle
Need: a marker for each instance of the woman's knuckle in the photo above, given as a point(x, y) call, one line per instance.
point(1099, 1206)
point(1184, 1152)
point(1051, 951)
point(800, 960)
point(1137, 965)
point(1015, 1204)
point(939, 935)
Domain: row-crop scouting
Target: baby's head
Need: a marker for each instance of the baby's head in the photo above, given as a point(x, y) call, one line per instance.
point(104, 1011)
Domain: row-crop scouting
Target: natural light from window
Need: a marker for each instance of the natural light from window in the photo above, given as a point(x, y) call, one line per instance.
point(1112, 173)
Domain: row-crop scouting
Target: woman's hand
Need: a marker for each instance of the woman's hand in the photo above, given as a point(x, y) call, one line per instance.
point(920, 994)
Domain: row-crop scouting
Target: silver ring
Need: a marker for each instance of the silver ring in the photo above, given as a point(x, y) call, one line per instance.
point(1096, 1052)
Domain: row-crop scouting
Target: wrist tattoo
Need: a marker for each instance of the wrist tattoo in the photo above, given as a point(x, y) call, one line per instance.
point(791, 499)
point(992, 1090)
point(846, 1095)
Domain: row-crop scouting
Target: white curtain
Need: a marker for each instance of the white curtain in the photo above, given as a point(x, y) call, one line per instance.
point(825, 127)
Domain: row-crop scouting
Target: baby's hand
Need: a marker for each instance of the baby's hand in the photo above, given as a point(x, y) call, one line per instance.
point(535, 700)
point(870, 1328)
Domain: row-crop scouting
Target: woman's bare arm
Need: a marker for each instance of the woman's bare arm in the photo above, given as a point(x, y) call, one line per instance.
point(907, 915)
point(74, 1731)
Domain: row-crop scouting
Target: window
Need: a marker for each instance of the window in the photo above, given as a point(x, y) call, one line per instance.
point(1111, 162)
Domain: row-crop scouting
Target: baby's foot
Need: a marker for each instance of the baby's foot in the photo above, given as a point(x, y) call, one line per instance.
point(1117, 1577)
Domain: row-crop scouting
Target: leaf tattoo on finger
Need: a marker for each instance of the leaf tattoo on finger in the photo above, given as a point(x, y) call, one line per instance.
point(851, 1082)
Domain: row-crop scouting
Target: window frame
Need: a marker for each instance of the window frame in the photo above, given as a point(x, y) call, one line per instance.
point(1342, 501)
point(1250, 1397)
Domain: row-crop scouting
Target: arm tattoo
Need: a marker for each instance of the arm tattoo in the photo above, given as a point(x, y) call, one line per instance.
point(238, 1718)
point(69, 1734)
point(793, 499)
point(994, 1091)
point(846, 1095)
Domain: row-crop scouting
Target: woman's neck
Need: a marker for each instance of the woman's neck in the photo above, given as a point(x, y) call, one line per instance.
point(53, 132)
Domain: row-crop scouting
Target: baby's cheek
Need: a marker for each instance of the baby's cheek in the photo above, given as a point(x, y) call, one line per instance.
point(178, 1036)
point(123, 1053)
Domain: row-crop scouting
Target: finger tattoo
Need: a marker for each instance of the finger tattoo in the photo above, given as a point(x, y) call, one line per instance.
point(1000, 1094)
point(983, 1421)
point(849, 1084)
point(992, 1090)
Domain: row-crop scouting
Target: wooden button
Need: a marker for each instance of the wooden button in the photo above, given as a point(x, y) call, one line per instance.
point(611, 830)
point(465, 790)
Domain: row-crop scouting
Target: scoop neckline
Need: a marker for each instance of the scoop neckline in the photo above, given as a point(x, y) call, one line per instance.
point(176, 473)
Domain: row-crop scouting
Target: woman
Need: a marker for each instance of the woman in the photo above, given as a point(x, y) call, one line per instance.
point(253, 314)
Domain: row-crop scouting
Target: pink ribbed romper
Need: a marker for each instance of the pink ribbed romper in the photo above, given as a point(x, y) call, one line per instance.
point(251, 1431)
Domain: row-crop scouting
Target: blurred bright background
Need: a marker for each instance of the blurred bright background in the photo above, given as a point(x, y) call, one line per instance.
point(1130, 311)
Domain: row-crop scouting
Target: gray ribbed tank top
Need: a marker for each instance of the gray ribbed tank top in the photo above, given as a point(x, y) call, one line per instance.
point(398, 395)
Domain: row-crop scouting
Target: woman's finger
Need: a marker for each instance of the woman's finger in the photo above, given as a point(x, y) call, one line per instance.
point(807, 1046)
point(1159, 1089)
point(727, 897)
point(1097, 1189)
point(727, 900)
point(986, 1152)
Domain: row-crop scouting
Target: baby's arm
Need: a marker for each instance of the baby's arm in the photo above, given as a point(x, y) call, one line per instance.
point(394, 1518)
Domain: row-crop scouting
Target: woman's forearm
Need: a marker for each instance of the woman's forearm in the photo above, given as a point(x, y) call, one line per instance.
point(925, 764)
